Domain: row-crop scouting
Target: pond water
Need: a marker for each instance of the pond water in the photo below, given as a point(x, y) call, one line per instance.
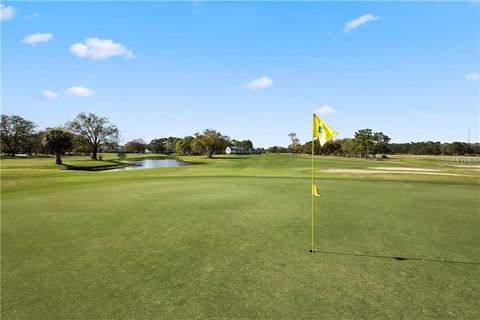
point(152, 163)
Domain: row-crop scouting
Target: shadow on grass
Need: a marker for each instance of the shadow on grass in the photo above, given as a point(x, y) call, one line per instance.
point(94, 168)
point(223, 157)
point(397, 258)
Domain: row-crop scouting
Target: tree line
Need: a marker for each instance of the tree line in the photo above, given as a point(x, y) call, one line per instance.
point(367, 143)
point(208, 142)
point(89, 133)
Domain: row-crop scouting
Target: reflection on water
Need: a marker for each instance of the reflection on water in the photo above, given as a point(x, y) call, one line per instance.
point(152, 163)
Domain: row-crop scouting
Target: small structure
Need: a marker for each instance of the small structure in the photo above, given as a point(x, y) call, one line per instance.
point(235, 150)
point(240, 150)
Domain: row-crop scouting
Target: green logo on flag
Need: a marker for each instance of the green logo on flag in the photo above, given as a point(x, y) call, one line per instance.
point(320, 130)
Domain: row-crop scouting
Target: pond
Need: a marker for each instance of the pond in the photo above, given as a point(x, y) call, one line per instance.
point(152, 163)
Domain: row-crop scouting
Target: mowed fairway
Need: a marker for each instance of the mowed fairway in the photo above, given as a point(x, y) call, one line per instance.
point(229, 239)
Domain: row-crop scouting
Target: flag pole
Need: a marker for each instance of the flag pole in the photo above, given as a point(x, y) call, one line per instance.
point(323, 132)
point(313, 173)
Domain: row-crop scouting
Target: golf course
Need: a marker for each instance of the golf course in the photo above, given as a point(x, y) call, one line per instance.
point(229, 238)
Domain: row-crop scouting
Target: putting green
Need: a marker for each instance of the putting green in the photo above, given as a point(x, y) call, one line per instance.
point(229, 239)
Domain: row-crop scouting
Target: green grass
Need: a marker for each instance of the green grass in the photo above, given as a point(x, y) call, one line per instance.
point(229, 239)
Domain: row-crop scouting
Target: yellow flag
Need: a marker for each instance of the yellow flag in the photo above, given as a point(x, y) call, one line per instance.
point(315, 191)
point(322, 131)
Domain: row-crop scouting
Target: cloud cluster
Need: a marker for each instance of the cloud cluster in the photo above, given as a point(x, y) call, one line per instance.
point(355, 23)
point(325, 109)
point(76, 91)
point(472, 76)
point(6, 13)
point(37, 38)
point(50, 95)
point(79, 92)
point(100, 49)
point(260, 83)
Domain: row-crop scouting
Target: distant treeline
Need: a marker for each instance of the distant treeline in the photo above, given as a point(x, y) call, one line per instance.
point(347, 148)
point(207, 142)
point(91, 134)
point(368, 143)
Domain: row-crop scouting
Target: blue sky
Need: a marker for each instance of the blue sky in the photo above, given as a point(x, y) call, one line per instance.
point(251, 70)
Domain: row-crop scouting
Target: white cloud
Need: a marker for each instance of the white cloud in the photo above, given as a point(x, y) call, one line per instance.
point(37, 37)
point(79, 92)
point(325, 109)
point(355, 23)
point(472, 76)
point(100, 49)
point(260, 83)
point(6, 13)
point(49, 95)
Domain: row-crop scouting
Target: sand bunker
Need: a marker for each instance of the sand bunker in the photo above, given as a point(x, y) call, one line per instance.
point(405, 171)
point(475, 167)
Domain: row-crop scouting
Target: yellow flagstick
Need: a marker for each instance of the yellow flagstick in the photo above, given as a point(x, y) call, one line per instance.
point(323, 132)
point(313, 186)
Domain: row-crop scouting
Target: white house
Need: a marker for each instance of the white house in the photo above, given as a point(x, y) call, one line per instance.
point(239, 150)
point(235, 150)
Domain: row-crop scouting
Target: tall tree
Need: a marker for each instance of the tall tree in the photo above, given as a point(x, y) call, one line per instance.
point(93, 130)
point(80, 146)
point(380, 143)
point(245, 144)
point(184, 146)
point(211, 142)
point(135, 146)
point(34, 144)
point(58, 140)
point(332, 147)
point(364, 140)
point(170, 144)
point(14, 132)
point(158, 145)
point(295, 146)
point(197, 146)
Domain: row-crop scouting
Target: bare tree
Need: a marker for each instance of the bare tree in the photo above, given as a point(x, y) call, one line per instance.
point(295, 147)
point(93, 130)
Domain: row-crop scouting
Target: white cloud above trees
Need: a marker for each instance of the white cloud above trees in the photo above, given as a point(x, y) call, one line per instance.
point(355, 23)
point(260, 83)
point(325, 109)
point(37, 38)
point(100, 49)
point(78, 91)
point(6, 13)
point(51, 95)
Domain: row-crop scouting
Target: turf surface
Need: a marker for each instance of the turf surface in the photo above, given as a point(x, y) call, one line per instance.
point(229, 239)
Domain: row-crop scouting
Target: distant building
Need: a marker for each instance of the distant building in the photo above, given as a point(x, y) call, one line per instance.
point(239, 150)
point(235, 150)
